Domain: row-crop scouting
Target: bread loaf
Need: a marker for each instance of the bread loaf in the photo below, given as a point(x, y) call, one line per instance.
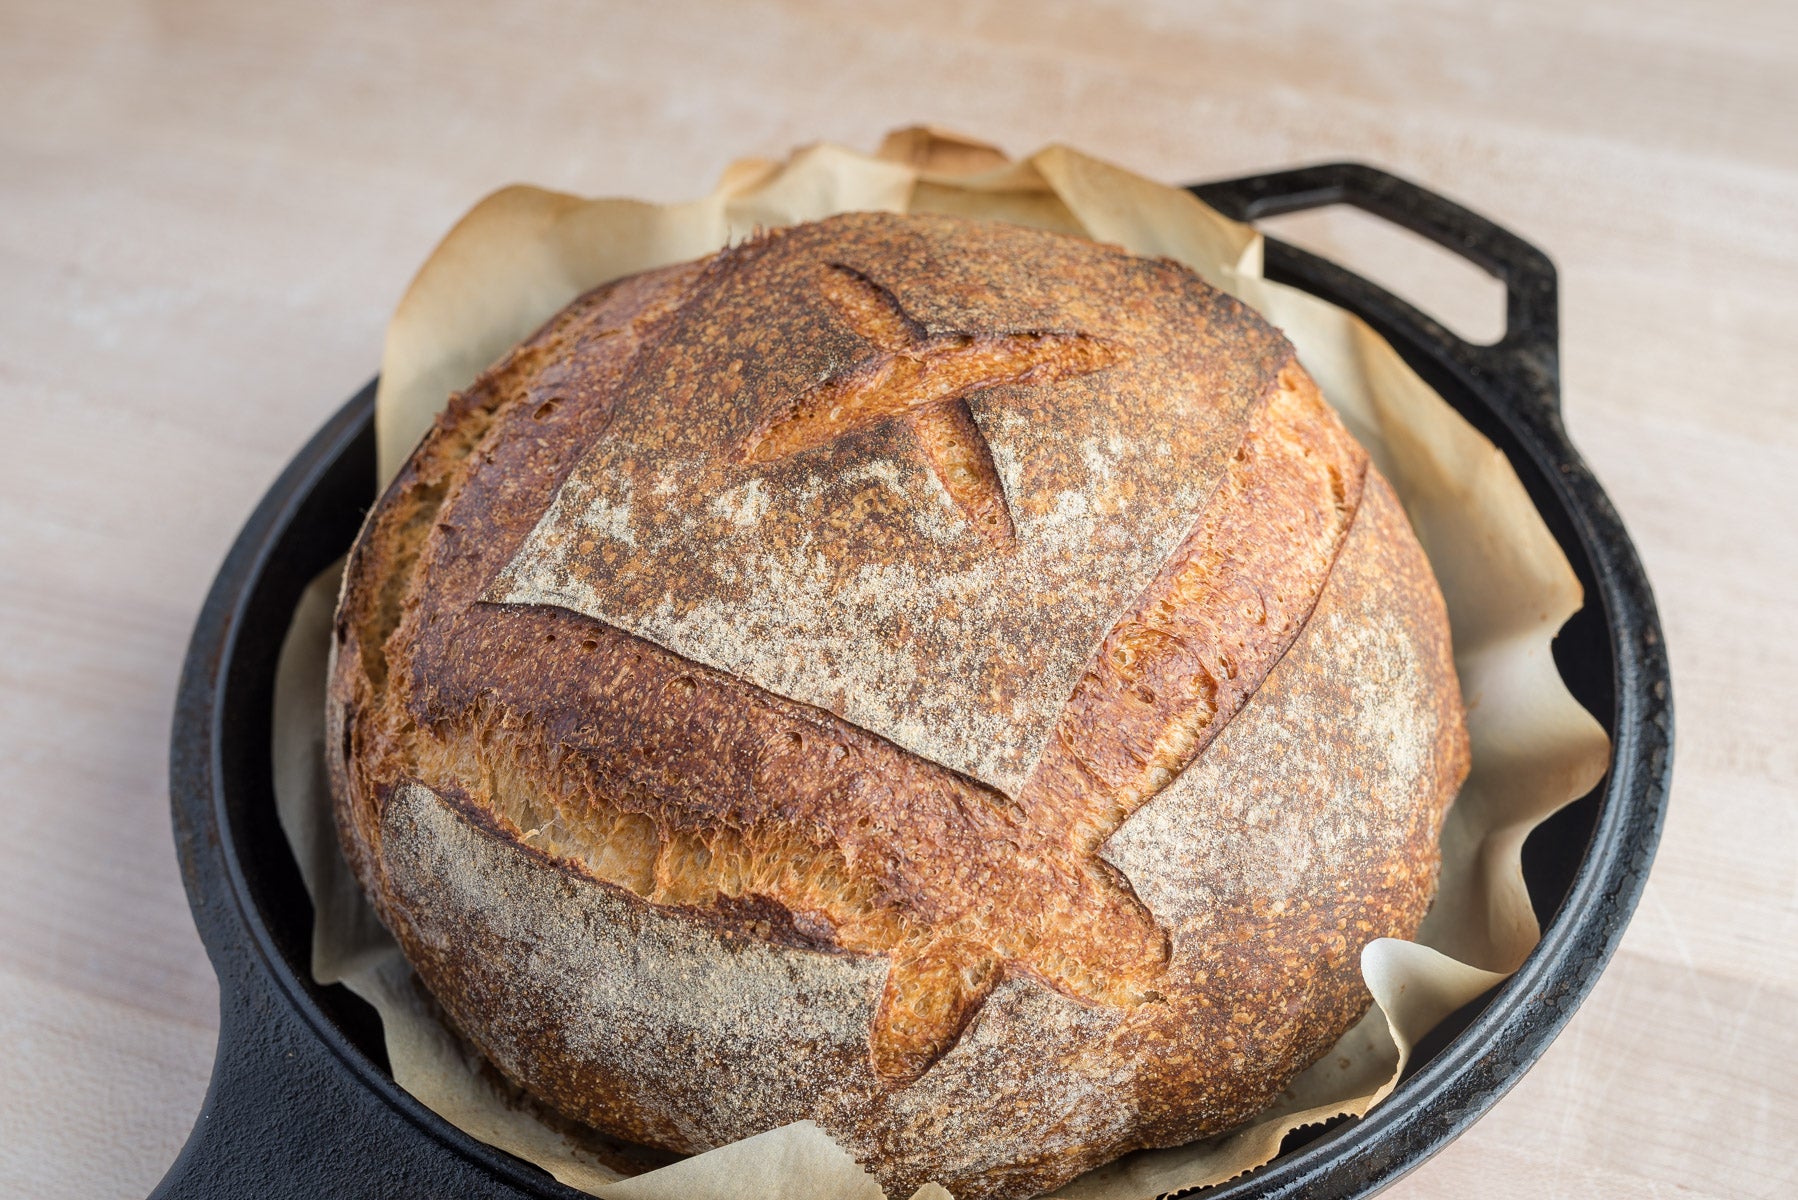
point(953, 683)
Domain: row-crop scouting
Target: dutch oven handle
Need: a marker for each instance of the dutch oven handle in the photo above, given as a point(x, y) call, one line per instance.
point(1524, 364)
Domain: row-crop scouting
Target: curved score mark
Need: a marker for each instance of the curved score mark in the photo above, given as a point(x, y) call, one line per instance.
point(1167, 679)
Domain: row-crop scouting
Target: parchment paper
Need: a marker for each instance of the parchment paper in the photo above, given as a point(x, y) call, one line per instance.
point(523, 253)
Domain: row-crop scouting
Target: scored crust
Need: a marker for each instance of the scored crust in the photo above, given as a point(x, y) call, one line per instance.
point(685, 909)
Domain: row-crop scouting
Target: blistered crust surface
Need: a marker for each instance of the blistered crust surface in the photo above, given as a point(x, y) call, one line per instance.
point(1109, 963)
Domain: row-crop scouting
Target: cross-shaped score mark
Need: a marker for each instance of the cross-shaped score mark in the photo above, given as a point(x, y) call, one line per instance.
point(924, 379)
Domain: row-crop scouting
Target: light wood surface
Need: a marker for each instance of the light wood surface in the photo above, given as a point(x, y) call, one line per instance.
point(207, 210)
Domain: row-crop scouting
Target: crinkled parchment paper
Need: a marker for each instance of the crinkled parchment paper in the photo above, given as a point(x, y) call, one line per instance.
point(523, 253)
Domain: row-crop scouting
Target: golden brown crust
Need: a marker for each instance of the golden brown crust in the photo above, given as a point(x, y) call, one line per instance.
point(992, 990)
point(802, 500)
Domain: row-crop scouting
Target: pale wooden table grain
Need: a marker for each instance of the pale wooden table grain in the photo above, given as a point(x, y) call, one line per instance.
point(207, 210)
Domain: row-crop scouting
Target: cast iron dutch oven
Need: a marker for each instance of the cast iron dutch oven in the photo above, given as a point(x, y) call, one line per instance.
point(301, 1103)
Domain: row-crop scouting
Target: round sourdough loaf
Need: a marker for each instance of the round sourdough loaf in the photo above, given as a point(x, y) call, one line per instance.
point(953, 683)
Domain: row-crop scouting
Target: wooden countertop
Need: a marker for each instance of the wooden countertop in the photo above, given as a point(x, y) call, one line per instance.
point(208, 209)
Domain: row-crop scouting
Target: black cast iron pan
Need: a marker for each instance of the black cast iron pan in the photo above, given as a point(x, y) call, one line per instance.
point(301, 1103)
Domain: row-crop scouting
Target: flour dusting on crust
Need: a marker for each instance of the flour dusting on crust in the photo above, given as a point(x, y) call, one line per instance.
point(843, 574)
